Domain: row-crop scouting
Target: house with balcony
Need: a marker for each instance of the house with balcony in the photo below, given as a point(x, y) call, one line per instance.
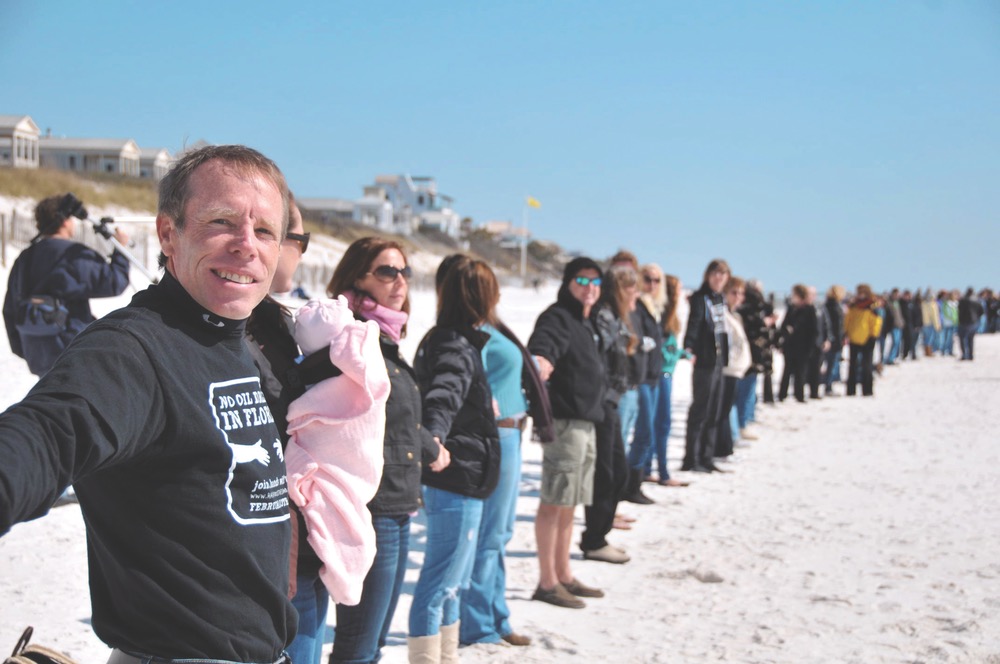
point(154, 163)
point(119, 156)
point(18, 141)
point(413, 203)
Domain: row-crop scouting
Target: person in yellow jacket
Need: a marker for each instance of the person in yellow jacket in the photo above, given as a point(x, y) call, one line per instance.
point(862, 324)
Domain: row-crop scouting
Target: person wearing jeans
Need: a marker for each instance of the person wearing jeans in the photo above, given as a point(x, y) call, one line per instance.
point(485, 614)
point(373, 276)
point(458, 409)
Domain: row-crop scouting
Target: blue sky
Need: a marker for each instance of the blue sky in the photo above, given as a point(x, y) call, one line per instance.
point(802, 141)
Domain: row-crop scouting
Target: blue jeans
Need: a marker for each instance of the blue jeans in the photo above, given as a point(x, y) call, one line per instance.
point(897, 338)
point(311, 600)
point(832, 374)
point(450, 551)
point(661, 428)
point(362, 629)
point(948, 340)
point(930, 337)
point(640, 453)
point(484, 604)
point(746, 399)
point(628, 411)
point(966, 339)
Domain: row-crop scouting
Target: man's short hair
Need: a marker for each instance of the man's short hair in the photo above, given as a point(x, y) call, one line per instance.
point(246, 161)
point(49, 216)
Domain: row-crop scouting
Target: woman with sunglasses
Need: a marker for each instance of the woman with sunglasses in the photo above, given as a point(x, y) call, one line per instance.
point(567, 354)
point(619, 293)
point(457, 411)
point(650, 307)
point(374, 277)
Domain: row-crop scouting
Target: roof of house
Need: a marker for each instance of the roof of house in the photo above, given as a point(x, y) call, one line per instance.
point(24, 122)
point(337, 204)
point(153, 153)
point(108, 144)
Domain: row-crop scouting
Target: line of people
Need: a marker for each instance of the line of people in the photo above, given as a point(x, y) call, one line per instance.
point(239, 410)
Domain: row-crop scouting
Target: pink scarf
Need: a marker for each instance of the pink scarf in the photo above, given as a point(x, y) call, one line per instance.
point(390, 321)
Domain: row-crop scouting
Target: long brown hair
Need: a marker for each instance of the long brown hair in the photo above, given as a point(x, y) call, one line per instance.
point(616, 279)
point(671, 322)
point(468, 295)
point(356, 263)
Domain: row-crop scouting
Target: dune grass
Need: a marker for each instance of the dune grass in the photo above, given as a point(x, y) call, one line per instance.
point(97, 189)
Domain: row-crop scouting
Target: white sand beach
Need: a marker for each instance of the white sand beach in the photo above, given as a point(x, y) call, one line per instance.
point(853, 530)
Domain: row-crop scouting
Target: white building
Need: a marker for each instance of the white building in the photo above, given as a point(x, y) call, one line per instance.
point(327, 209)
point(413, 202)
point(507, 234)
point(154, 163)
point(18, 141)
point(104, 155)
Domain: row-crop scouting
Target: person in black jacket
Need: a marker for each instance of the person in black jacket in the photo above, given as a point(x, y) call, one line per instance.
point(458, 411)
point(619, 292)
point(970, 311)
point(373, 276)
point(707, 341)
point(155, 414)
point(797, 338)
point(650, 332)
point(58, 266)
point(564, 344)
point(835, 317)
point(822, 343)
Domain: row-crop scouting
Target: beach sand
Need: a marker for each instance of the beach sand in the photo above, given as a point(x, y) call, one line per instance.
point(853, 530)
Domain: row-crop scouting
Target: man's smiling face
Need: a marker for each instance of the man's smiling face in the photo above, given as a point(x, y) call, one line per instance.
point(226, 252)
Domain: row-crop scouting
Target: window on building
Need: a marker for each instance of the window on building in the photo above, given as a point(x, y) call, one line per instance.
point(72, 162)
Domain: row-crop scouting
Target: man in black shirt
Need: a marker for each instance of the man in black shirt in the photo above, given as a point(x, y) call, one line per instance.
point(156, 414)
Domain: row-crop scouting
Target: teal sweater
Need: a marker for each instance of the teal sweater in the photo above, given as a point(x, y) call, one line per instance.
point(672, 352)
point(503, 362)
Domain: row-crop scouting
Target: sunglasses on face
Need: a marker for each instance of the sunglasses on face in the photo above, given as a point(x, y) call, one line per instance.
point(650, 280)
point(388, 273)
point(588, 281)
point(301, 238)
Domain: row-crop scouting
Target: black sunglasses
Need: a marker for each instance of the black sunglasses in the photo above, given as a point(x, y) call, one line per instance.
point(388, 273)
point(301, 238)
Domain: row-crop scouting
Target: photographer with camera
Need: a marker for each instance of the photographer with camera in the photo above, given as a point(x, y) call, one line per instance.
point(52, 281)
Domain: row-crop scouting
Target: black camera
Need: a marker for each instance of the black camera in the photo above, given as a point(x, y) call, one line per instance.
point(71, 206)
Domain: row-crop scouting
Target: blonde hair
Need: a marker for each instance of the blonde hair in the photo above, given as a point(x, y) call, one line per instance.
point(656, 300)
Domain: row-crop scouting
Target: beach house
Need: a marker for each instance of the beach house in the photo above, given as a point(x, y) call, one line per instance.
point(413, 202)
point(18, 141)
point(154, 163)
point(105, 155)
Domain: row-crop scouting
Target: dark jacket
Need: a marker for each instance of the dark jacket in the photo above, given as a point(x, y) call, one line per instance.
point(835, 316)
point(567, 340)
point(138, 413)
point(650, 327)
point(458, 410)
point(71, 271)
point(638, 362)
point(798, 330)
point(705, 336)
point(408, 445)
point(969, 311)
point(759, 334)
point(614, 338)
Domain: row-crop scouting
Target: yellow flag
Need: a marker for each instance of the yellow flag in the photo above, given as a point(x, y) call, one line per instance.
point(533, 202)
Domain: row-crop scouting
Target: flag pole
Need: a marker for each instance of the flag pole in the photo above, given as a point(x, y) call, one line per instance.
point(524, 242)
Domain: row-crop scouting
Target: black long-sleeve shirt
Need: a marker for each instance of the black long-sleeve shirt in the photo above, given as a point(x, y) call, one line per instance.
point(155, 414)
